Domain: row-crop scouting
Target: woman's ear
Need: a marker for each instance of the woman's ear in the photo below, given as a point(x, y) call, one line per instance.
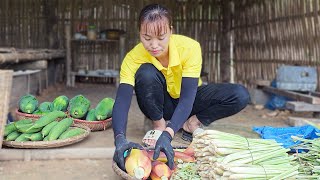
point(171, 29)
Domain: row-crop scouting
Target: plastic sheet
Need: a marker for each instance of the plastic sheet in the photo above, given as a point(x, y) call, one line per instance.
point(283, 134)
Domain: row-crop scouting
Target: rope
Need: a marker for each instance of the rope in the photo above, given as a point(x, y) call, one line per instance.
point(248, 145)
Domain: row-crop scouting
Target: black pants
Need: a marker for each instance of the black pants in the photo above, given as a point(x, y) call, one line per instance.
point(212, 102)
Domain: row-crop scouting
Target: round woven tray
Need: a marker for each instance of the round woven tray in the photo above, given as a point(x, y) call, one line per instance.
point(121, 173)
point(124, 175)
point(49, 144)
point(21, 115)
point(95, 125)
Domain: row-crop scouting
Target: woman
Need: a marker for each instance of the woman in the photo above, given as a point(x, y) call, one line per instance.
point(164, 70)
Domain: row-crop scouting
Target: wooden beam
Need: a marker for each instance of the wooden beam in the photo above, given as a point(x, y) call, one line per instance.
point(300, 106)
point(33, 65)
point(30, 55)
point(293, 95)
point(317, 94)
point(260, 82)
point(300, 121)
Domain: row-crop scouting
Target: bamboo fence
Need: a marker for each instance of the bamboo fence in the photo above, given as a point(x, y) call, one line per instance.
point(41, 24)
point(266, 33)
point(271, 33)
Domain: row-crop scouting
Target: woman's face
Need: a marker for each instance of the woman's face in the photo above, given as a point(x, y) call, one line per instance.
point(155, 37)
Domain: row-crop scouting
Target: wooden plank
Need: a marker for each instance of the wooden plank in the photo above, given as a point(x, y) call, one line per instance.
point(293, 95)
point(300, 121)
point(56, 153)
point(260, 82)
point(300, 106)
point(317, 94)
point(5, 94)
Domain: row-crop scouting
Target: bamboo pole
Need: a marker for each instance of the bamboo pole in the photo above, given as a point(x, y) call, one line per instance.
point(68, 53)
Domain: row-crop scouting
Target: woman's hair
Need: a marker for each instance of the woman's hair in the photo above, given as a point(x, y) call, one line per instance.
point(155, 13)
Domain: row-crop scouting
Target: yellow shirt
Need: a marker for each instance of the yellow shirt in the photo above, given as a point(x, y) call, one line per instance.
point(185, 60)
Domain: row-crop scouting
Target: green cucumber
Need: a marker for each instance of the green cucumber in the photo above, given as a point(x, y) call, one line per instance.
point(9, 128)
point(58, 129)
point(23, 137)
point(71, 132)
point(12, 136)
point(48, 118)
point(46, 130)
point(35, 137)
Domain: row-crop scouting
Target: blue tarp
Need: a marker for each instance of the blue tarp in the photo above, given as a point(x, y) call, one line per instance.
point(283, 134)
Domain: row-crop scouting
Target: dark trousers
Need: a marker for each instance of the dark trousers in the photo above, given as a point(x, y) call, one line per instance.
point(212, 102)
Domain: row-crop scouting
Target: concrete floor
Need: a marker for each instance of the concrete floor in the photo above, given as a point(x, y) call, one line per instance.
point(99, 145)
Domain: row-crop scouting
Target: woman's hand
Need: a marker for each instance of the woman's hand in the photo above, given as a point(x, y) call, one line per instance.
point(122, 145)
point(164, 144)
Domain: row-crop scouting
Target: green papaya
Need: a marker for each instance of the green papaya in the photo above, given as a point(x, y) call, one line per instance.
point(79, 106)
point(60, 103)
point(28, 103)
point(91, 115)
point(79, 100)
point(78, 112)
point(104, 109)
point(45, 107)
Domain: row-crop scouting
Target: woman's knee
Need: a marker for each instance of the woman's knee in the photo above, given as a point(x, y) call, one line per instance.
point(147, 74)
point(241, 95)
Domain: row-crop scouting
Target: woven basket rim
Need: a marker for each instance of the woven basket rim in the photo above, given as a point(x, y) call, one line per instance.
point(93, 122)
point(50, 144)
point(121, 173)
point(19, 113)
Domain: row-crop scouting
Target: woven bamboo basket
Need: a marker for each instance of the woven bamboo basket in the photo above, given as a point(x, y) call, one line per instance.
point(21, 115)
point(95, 125)
point(50, 144)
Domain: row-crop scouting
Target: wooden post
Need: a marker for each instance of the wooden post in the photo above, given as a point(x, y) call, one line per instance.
point(225, 62)
point(5, 92)
point(68, 53)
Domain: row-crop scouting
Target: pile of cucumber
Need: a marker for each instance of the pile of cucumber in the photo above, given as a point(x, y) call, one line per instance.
point(78, 107)
point(47, 128)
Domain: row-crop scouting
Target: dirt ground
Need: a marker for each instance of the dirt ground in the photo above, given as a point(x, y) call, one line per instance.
point(240, 123)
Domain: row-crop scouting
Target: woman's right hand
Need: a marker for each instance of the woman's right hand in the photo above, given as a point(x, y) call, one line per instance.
point(122, 145)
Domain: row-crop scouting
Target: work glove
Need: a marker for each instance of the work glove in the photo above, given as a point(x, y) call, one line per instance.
point(123, 147)
point(164, 144)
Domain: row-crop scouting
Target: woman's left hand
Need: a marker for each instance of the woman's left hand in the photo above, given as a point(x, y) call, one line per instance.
point(164, 144)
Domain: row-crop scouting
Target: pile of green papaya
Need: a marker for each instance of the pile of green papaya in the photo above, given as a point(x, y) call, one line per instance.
point(29, 104)
point(46, 128)
point(78, 107)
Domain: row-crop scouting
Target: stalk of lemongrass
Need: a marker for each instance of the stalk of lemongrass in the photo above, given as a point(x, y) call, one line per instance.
point(240, 151)
point(289, 173)
point(248, 156)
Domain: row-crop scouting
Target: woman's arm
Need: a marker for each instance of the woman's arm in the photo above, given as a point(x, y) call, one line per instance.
point(189, 88)
point(121, 109)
